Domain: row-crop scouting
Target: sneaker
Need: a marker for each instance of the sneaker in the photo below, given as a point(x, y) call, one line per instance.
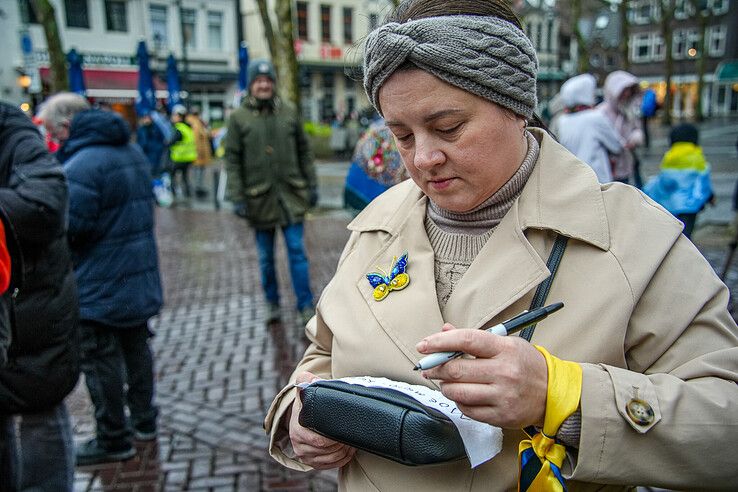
point(93, 453)
point(274, 314)
point(306, 314)
point(145, 432)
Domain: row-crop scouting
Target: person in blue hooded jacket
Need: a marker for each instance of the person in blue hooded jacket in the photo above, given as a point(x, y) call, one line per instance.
point(111, 235)
point(683, 185)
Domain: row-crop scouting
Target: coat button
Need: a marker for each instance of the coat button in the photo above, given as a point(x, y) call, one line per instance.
point(639, 411)
point(269, 149)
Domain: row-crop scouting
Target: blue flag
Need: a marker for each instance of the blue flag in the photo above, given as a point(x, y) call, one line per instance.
point(173, 83)
point(243, 63)
point(146, 100)
point(76, 75)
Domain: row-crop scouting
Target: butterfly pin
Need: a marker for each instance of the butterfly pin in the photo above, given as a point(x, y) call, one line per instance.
point(396, 280)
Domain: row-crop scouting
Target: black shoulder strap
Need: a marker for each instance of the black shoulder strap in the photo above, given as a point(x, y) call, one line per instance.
point(542, 291)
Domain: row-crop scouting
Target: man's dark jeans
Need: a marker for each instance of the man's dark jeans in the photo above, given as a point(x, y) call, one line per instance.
point(111, 358)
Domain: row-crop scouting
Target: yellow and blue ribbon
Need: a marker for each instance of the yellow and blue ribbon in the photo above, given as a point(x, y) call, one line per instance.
point(541, 457)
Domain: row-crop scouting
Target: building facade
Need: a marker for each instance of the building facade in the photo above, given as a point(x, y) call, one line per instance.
point(329, 38)
point(647, 54)
point(202, 36)
point(542, 24)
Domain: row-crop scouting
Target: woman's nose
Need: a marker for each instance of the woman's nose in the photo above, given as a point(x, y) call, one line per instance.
point(427, 155)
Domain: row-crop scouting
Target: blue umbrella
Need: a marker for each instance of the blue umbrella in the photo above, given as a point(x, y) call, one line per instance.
point(243, 63)
point(173, 82)
point(76, 76)
point(146, 100)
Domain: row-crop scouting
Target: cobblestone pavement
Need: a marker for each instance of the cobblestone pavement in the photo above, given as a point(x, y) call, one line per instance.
point(219, 365)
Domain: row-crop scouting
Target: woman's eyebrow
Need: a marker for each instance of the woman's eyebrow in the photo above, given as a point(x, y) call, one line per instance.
point(429, 118)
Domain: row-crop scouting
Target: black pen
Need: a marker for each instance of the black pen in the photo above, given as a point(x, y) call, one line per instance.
point(508, 327)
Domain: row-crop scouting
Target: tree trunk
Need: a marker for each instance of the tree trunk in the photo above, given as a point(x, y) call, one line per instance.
point(667, 13)
point(624, 34)
point(57, 61)
point(266, 21)
point(702, 16)
point(290, 81)
point(582, 49)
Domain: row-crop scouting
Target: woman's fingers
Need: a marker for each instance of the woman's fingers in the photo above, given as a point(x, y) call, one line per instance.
point(310, 447)
point(478, 343)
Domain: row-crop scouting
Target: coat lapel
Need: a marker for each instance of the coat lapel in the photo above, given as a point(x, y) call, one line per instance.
point(410, 314)
point(505, 270)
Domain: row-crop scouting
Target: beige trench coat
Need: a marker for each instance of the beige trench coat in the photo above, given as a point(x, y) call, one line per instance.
point(643, 309)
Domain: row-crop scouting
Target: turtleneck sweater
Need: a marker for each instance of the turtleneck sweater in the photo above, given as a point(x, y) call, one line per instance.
point(457, 238)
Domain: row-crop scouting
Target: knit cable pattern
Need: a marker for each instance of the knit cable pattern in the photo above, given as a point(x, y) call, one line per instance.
point(486, 56)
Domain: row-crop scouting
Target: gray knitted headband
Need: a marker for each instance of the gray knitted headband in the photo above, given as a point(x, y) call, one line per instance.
point(486, 56)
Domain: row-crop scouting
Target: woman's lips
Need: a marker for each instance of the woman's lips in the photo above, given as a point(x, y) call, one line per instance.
point(440, 184)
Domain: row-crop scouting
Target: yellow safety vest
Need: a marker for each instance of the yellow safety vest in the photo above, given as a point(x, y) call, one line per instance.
point(185, 149)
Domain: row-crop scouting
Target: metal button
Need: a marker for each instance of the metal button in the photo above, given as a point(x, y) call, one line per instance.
point(269, 149)
point(639, 411)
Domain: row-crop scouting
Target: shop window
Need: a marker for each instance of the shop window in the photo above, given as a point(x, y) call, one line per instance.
point(159, 27)
point(348, 25)
point(28, 15)
point(640, 48)
point(189, 25)
point(718, 7)
point(683, 9)
point(658, 50)
point(76, 13)
point(716, 36)
point(325, 23)
point(679, 44)
point(215, 30)
point(302, 20)
point(116, 18)
point(643, 12)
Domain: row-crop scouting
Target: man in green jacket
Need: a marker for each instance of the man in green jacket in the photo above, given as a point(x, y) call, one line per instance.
point(272, 182)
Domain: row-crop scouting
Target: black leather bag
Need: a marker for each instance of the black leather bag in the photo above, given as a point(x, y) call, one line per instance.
point(382, 421)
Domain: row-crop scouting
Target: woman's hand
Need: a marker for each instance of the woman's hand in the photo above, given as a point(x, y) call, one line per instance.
point(504, 386)
point(310, 447)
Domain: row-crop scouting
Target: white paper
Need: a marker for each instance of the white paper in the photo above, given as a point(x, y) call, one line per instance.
point(481, 440)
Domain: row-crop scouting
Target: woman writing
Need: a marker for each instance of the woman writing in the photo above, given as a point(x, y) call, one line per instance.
point(634, 378)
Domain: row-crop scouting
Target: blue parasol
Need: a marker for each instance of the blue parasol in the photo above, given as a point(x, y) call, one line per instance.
point(146, 100)
point(243, 63)
point(173, 83)
point(76, 75)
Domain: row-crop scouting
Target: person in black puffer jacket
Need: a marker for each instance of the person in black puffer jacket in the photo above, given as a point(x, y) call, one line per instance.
point(111, 234)
point(43, 357)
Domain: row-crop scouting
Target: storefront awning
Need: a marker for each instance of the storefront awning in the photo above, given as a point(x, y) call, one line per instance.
point(111, 84)
point(727, 71)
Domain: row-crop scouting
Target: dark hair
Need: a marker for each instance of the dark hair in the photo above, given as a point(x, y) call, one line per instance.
point(420, 9)
point(685, 132)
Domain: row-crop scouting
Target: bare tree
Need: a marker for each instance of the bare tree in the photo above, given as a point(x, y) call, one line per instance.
point(703, 13)
point(46, 15)
point(281, 43)
point(266, 21)
point(582, 45)
point(623, 7)
point(290, 75)
point(667, 15)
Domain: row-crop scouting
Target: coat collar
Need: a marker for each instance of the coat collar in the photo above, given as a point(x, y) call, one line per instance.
point(562, 194)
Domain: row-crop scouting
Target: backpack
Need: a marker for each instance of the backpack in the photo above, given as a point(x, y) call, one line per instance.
point(649, 103)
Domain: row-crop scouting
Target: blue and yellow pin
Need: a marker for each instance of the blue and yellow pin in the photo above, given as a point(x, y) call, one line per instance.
point(396, 280)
